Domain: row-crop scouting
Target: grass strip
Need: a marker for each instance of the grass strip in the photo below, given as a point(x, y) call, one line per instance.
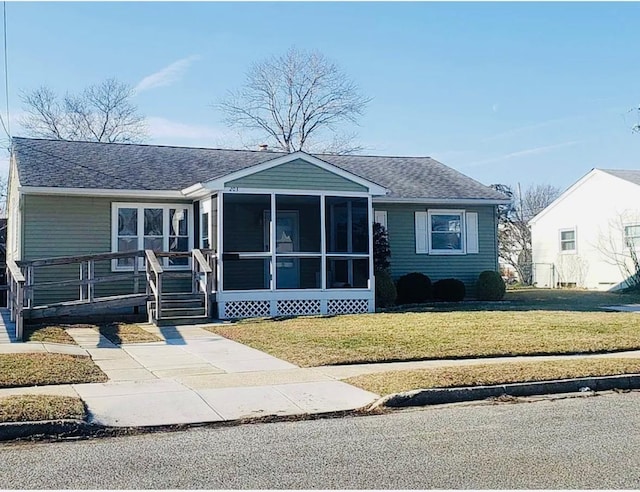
point(390, 382)
point(120, 333)
point(30, 408)
point(383, 337)
point(49, 333)
point(36, 369)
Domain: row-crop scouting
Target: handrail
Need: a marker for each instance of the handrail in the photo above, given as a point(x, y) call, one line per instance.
point(16, 273)
point(154, 279)
point(201, 267)
point(153, 262)
point(15, 298)
point(203, 263)
point(63, 260)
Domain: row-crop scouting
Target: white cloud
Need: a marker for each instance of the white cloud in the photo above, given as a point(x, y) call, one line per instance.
point(522, 153)
point(167, 76)
point(526, 129)
point(167, 132)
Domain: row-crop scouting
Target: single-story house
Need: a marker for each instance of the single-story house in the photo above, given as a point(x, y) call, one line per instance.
point(78, 198)
point(587, 236)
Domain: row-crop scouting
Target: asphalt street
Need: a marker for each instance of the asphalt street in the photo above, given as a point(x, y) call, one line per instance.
point(582, 442)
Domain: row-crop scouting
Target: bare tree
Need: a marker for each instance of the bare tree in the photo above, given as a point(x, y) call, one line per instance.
point(297, 101)
point(514, 233)
point(102, 113)
point(618, 244)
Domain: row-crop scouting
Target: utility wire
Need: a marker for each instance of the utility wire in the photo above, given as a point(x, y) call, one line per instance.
point(6, 74)
point(6, 66)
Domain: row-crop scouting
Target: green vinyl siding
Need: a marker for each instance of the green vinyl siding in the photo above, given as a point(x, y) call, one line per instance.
point(402, 242)
point(69, 226)
point(296, 175)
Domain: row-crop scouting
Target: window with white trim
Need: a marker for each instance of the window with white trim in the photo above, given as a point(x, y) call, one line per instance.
point(160, 227)
point(446, 232)
point(567, 240)
point(632, 235)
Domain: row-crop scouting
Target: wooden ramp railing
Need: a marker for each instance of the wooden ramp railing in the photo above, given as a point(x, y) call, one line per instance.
point(22, 283)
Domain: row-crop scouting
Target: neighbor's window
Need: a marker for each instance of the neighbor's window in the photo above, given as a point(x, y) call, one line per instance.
point(632, 235)
point(445, 231)
point(156, 227)
point(568, 240)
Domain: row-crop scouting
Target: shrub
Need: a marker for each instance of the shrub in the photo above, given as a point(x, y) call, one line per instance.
point(490, 286)
point(381, 251)
point(449, 289)
point(413, 287)
point(385, 289)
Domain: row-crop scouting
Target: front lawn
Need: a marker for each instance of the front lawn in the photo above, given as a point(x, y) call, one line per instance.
point(386, 383)
point(350, 339)
point(36, 369)
point(32, 408)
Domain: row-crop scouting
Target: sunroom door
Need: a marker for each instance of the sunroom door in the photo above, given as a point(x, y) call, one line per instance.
point(287, 240)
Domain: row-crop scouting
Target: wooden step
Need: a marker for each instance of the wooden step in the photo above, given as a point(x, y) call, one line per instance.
point(178, 312)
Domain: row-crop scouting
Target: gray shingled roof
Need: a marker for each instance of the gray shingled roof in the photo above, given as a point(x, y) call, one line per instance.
point(64, 164)
point(626, 174)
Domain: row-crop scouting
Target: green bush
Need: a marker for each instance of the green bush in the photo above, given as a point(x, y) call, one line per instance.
point(385, 289)
point(413, 287)
point(449, 289)
point(490, 286)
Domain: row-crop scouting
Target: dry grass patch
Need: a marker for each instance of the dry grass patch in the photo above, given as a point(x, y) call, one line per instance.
point(48, 333)
point(30, 408)
point(119, 333)
point(314, 341)
point(45, 368)
point(386, 383)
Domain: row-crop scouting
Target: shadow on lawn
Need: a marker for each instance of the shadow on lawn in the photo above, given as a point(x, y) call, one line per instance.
point(531, 300)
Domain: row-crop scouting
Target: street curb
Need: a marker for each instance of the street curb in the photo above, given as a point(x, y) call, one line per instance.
point(62, 428)
point(454, 395)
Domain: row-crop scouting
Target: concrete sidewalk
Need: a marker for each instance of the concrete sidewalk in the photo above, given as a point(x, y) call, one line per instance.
point(195, 376)
point(192, 376)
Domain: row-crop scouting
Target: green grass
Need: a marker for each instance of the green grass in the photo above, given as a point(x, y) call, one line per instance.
point(31, 408)
point(528, 322)
point(36, 369)
point(489, 374)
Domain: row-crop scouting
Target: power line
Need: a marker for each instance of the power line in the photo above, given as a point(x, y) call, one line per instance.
point(6, 66)
point(6, 73)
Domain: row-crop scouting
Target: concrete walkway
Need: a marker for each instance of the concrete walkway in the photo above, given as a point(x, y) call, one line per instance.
point(192, 376)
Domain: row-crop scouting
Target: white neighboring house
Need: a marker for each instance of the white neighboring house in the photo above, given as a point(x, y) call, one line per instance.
point(583, 238)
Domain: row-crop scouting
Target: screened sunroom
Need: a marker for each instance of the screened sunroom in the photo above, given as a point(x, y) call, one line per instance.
point(289, 253)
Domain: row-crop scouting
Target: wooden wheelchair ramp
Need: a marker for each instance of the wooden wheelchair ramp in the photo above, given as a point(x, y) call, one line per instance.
point(146, 280)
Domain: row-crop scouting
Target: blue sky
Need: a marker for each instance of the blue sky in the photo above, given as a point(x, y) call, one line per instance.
point(503, 92)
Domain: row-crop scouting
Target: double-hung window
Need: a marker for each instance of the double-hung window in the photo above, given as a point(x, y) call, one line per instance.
point(632, 236)
point(446, 232)
point(568, 241)
point(149, 226)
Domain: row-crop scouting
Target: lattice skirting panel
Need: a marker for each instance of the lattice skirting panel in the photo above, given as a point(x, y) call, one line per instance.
point(347, 306)
point(246, 309)
point(298, 307)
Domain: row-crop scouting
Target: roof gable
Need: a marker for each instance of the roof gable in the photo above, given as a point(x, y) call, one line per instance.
point(630, 176)
point(298, 170)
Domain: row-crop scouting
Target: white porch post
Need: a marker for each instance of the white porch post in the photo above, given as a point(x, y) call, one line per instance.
point(372, 278)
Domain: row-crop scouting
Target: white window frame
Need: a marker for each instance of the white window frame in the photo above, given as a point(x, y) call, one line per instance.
point(463, 232)
point(574, 240)
point(625, 237)
point(165, 229)
point(380, 216)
